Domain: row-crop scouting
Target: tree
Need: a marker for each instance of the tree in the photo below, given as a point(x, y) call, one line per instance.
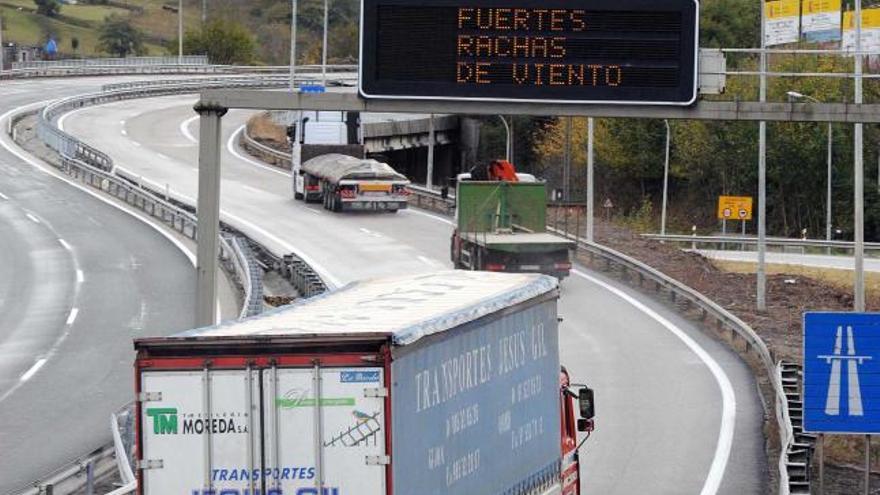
point(224, 42)
point(118, 37)
point(48, 8)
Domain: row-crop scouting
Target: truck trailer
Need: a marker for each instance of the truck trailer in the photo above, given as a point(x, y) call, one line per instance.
point(502, 226)
point(442, 383)
point(347, 183)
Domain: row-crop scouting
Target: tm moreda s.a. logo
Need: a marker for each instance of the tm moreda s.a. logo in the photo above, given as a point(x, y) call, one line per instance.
point(166, 421)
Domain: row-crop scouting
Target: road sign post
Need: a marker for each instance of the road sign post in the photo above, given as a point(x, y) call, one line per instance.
point(842, 376)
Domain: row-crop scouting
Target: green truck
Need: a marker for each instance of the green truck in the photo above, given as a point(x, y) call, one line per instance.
point(502, 226)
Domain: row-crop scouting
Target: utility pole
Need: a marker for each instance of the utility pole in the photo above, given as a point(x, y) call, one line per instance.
point(665, 180)
point(324, 54)
point(762, 176)
point(204, 11)
point(179, 32)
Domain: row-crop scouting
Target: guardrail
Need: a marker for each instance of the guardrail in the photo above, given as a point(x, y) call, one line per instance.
point(98, 69)
point(740, 335)
point(740, 241)
point(126, 61)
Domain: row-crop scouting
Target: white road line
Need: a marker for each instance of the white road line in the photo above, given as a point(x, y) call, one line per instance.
point(72, 316)
point(429, 261)
point(230, 145)
point(162, 156)
point(5, 197)
point(124, 132)
point(136, 143)
point(728, 398)
point(122, 122)
point(33, 370)
point(65, 245)
point(184, 129)
point(316, 212)
point(80, 276)
point(331, 280)
point(416, 211)
point(33, 218)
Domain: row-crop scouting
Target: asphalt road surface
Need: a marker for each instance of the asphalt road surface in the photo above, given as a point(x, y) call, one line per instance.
point(677, 412)
point(78, 280)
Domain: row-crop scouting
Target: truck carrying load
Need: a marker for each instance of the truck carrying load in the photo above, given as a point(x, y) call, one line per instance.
point(345, 183)
point(445, 383)
point(502, 226)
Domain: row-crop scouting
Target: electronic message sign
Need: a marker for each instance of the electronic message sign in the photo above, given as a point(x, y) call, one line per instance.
point(566, 51)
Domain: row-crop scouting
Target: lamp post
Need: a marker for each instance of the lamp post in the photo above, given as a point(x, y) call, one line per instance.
point(794, 95)
point(179, 32)
point(507, 149)
point(324, 52)
point(665, 180)
point(292, 44)
point(761, 273)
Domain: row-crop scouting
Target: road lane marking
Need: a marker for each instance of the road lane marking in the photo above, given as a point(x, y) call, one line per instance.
point(33, 218)
point(65, 245)
point(80, 276)
point(316, 212)
point(430, 262)
point(124, 132)
point(122, 122)
point(136, 143)
point(72, 316)
point(33, 370)
point(728, 398)
point(230, 145)
point(416, 211)
point(5, 197)
point(163, 156)
point(184, 129)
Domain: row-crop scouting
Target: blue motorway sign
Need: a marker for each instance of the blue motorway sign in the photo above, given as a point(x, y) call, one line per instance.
point(842, 372)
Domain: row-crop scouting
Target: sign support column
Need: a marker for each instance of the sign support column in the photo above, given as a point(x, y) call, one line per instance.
point(762, 174)
point(429, 178)
point(859, 180)
point(208, 213)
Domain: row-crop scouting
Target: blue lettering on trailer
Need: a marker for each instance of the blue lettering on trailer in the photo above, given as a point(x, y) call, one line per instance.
point(359, 376)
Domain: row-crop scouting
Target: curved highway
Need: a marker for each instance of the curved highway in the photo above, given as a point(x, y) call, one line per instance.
point(677, 411)
point(78, 280)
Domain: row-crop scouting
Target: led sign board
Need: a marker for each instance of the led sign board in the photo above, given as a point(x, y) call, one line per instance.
point(571, 51)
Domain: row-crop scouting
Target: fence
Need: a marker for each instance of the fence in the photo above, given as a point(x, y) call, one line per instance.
point(109, 62)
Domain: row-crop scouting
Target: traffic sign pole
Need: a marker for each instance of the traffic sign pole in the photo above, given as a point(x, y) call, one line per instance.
point(762, 175)
point(590, 187)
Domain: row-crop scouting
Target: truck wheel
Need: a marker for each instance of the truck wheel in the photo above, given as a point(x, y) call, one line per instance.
point(298, 196)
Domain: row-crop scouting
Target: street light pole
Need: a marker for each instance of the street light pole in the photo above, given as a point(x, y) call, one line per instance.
point(665, 181)
point(794, 95)
point(324, 53)
point(179, 32)
point(292, 44)
point(2, 50)
point(762, 176)
point(509, 137)
point(590, 187)
point(429, 178)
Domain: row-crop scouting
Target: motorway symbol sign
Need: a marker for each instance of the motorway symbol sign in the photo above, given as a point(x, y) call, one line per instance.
point(842, 372)
point(730, 205)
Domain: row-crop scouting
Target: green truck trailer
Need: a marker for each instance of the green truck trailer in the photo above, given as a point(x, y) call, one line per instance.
point(502, 226)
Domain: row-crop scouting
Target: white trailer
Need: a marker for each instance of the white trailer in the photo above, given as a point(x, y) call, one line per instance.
point(346, 183)
point(446, 383)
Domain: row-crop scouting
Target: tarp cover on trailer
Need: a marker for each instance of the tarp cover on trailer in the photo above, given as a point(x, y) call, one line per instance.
point(407, 308)
point(335, 167)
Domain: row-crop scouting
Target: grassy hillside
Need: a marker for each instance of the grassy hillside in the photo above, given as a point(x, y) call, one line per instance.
point(23, 25)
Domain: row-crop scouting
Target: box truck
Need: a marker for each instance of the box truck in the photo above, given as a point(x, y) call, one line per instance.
point(443, 383)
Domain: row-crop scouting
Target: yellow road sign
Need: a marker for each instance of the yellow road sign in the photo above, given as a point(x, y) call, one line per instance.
point(734, 208)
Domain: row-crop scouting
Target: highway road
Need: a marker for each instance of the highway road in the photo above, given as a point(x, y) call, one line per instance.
point(677, 411)
point(78, 280)
point(814, 260)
